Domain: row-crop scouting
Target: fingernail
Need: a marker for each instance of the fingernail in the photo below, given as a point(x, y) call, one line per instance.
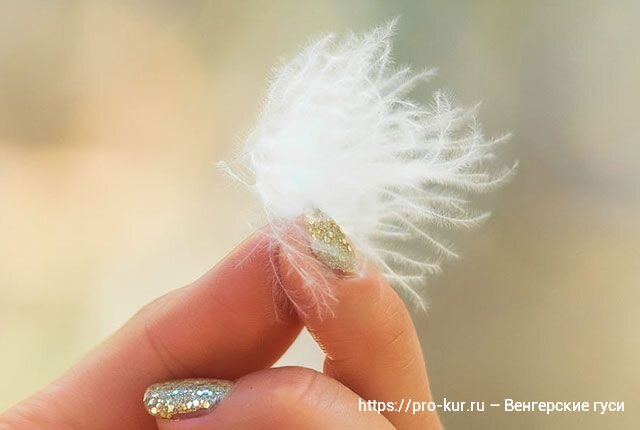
point(329, 243)
point(185, 398)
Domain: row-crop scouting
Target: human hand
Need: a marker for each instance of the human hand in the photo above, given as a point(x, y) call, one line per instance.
point(227, 325)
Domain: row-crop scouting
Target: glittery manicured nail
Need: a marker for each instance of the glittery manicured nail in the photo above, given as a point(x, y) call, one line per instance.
point(185, 398)
point(329, 243)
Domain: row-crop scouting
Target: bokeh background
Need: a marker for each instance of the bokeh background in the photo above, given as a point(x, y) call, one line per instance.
point(113, 114)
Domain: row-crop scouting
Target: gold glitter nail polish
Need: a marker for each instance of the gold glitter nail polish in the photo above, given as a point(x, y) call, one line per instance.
point(169, 400)
point(329, 243)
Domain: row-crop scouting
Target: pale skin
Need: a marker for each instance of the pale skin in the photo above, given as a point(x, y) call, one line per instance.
point(227, 325)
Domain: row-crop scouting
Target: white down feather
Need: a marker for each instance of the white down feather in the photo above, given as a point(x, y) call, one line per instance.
point(338, 132)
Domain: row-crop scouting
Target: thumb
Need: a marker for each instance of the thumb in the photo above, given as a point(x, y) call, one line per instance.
point(287, 397)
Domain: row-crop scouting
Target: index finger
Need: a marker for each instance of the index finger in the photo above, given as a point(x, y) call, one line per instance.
point(224, 325)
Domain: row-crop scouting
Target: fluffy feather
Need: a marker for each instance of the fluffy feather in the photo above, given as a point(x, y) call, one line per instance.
point(338, 132)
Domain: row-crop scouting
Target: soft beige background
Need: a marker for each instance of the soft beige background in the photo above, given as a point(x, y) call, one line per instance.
point(112, 115)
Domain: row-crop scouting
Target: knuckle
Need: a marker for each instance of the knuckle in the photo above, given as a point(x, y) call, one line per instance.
point(155, 307)
point(299, 387)
point(147, 322)
point(396, 326)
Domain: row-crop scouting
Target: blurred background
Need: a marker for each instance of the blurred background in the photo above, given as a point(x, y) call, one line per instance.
point(113, 114)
